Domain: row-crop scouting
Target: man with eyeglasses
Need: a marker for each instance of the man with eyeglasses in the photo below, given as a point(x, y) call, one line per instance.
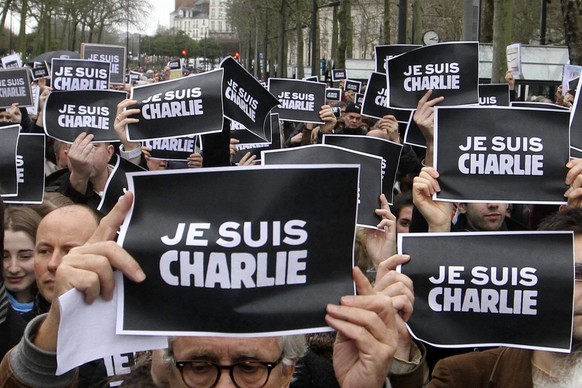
point(366, 325)
point(249, 362)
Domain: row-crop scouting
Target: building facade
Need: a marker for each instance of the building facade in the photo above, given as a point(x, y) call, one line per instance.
point(201, 18)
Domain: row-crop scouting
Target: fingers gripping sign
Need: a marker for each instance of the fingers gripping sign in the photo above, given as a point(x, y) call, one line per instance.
point(90, 269)
point(367, 335)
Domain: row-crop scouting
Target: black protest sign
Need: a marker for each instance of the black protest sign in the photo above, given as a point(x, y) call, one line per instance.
point(175, 64)
point(255, 148)
point(370, 172)
point(245, 100)
point(500, 154)
point(185, 106)
point(478, 288)
point(389, 152)
point(353, 85)
point(298, 100)
point(15, 87)
point(386, 52)
point(359, 99)
point(9, 175)
point(375, 100)
point(114, 55)
point(239, 132)
point(338, 74)
point(38, 72)
point(116, 184)
point(79, 74)
point(68, 113)
point(333, 94)
point(413, 135)
point(494, 94)
point(30, 168)
point(134, 76)
point(448, 69)
point(576, 124)
point(221, 246)
point(175, 148)
point(573, 83)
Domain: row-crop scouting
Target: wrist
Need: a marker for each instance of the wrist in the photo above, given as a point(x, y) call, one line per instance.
point(128, 153)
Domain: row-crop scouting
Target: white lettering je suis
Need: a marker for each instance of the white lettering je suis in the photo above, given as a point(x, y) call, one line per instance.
point(232, 234)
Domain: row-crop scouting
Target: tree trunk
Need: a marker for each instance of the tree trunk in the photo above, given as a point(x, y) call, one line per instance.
point(300, 48)
point(343, 35)
point(4, 15)
point(417, 21)
point(334, 32)
point(502, 18)
point(22, 31)
point(281, 62)
point(349, 31)
point(386, 23)
point(572, 25)
point(486, 33)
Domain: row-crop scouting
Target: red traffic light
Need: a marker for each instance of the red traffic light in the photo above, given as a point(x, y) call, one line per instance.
point(236, 55)
point(184, 53)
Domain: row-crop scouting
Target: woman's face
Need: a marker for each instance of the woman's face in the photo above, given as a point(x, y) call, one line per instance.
point(403, 221)
point(18, 262)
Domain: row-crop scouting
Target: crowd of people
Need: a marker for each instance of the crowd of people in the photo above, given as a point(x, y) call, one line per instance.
point(65, 243)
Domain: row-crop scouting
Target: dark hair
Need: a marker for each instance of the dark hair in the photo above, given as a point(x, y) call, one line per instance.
point(570, 218)
point(401, 201)
point(18, 218)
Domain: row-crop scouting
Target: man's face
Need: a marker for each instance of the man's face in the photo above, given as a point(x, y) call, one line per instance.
point(352, 120)
point(484, 216)
point(227, 351)
point(5, 117)
point(577, 336)
point(59, 232)
point(103, 152)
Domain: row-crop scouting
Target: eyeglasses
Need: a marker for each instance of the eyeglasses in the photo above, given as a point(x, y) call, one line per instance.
point(578, 272)
point(244, 374)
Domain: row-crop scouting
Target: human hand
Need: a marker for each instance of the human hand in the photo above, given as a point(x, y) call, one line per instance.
point(381, 244)
point(248, 160)
point(574, 179)
point(195, 160)
point(44, 93)
point(296, 139)
point(122, 119)
point(328, 117)
point(14, 111)
point(232, 147)
point(424, 119)
point(90, 269)
point(80, 161)
point(389, 125)
point(568, 100)
point(510, 79)
point(399, 287)
point(436, 213)
point(367, 335)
